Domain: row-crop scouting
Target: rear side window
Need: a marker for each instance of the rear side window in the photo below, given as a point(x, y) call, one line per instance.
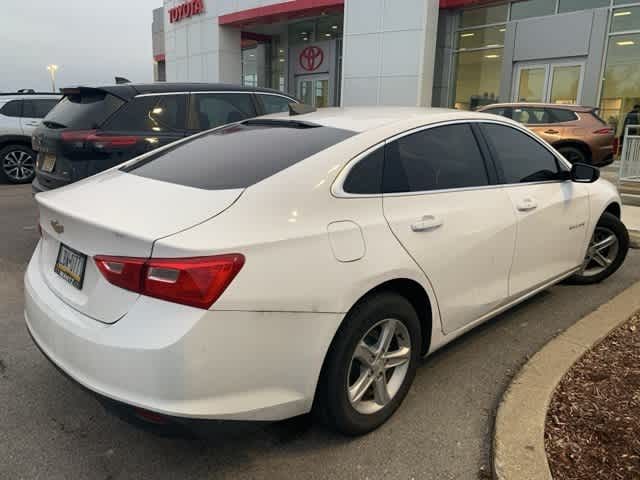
point(154, 113)
point(237, 156)
point(85, 110)
point(434, 159)
point(38, 108)
point(215, 109)
point(13, 108)
point(365, 178)
point(561, 115)
point(275, 103)
point(521, 158)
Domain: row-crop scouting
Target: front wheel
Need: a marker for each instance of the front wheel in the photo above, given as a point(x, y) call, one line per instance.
point(573, 155)
point(370, 365)
point(607, 250)
point(18, 163)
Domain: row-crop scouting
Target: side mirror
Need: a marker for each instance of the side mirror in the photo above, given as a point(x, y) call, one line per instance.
point(583, 173)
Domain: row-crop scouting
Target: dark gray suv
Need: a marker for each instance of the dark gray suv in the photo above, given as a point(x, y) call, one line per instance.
point(93, 129)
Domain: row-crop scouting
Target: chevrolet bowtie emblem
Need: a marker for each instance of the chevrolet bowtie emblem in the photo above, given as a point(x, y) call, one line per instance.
point(57, 226)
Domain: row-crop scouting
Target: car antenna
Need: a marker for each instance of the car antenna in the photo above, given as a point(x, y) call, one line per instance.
point(300, 109)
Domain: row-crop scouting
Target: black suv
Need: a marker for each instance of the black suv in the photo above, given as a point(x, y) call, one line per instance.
point(93, 129)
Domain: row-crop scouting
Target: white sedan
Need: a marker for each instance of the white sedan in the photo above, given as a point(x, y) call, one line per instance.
point(286, 264)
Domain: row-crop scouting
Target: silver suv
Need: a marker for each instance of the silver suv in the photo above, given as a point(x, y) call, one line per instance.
point(20, 114)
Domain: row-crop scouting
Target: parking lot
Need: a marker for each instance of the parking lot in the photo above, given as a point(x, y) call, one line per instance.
point(52, 429)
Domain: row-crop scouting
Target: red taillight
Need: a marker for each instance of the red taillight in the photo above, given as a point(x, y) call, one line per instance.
point(198, 281)
point(604, 131)
point(83, 138)
point(124, 272)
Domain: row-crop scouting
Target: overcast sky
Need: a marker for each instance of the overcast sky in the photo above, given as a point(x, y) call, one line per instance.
point(90, 40)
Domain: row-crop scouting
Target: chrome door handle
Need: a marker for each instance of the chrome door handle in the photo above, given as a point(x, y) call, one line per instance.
point(527, 204)
point(552, 132)
point(428, 222)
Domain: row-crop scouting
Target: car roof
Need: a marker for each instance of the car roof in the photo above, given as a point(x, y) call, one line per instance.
point(361, 119)
point(573, 108)
point(129, 90)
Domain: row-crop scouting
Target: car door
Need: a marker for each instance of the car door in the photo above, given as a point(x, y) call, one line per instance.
point(540, 121)
point(552, 214)
point(214, 109)
point(441, 202)
point(10, 114)
point(33, 111)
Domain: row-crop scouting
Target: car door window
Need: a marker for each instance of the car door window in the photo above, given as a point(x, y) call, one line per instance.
point(503, 112)
point(153, 113)
point(532, 116)
point(521, 158)
point(434, 159)
point(215, 109)
point(38, 108)
point(560, 115)
point(275, 103)
point(13, 108)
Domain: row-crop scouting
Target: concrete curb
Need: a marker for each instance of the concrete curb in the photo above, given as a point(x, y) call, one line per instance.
point(518, 444)
point(634, 238)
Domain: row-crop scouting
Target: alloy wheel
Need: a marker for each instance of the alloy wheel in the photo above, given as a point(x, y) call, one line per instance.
point(18, 165)
point(379, 366)
point(601, 253)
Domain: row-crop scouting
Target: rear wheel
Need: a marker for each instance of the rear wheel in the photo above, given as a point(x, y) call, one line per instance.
point(18, 163)
point(573, 154)
point(607, 250)
point(370, 365)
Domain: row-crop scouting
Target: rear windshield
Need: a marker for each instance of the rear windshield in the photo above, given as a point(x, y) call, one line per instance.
point(87, 110)
point(239, 155)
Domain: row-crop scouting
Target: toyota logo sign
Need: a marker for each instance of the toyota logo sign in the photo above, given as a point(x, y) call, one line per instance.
point(311, 58)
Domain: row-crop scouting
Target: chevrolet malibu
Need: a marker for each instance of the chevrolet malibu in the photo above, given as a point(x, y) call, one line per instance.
point(289, 264)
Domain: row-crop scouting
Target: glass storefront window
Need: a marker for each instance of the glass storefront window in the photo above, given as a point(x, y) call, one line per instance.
point(278, 65)
point(532, 8)
point(478, 78)
point(531, 84)
point(482, 37)
point(484, 16)
point(302, 32)
point(573, 5)
point(565, 84)
point(249, 67)
point(621, 87)
point(329, 27)
point(625, 19)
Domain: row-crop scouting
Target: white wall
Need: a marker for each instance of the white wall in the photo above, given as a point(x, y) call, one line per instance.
point(389, 52)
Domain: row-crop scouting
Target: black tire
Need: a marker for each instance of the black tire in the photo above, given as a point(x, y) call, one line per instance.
point(18, 163)
point(573, 155)
point(332, 404)
point(612, 224)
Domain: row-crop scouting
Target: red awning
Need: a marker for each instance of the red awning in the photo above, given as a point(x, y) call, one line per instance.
point(281, 11)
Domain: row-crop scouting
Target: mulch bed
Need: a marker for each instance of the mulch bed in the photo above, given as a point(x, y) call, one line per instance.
point(593, 422)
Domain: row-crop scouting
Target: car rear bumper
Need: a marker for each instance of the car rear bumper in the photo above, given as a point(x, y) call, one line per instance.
point(185, 362)
point(602, 157)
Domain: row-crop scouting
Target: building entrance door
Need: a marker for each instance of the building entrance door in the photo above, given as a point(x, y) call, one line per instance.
point(313, 90)
point(553, 82)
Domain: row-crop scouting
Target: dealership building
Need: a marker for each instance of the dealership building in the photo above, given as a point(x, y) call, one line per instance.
point(450, 53)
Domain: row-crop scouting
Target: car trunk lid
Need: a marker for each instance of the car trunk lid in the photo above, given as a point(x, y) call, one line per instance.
point(114, 214)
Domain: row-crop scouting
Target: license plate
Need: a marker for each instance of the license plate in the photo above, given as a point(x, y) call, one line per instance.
point(70, 265)
point(47, 162)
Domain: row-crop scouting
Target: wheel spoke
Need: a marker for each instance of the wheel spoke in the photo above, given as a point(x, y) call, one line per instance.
point(361, 385)
point(365, 354)
point(397, 358)
point(607, 242)
point(601, 259)
point(380, 391)
point(386, 335)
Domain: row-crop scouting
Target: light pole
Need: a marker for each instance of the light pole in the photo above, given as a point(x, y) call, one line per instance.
point(52, 70)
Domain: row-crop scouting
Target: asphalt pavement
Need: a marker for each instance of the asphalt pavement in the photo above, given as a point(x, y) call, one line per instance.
point(50, 429)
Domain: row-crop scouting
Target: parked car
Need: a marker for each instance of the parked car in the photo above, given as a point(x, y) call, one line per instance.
point(93, 129)
point(286, 264)
point(578, 133)
point(20, 114)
